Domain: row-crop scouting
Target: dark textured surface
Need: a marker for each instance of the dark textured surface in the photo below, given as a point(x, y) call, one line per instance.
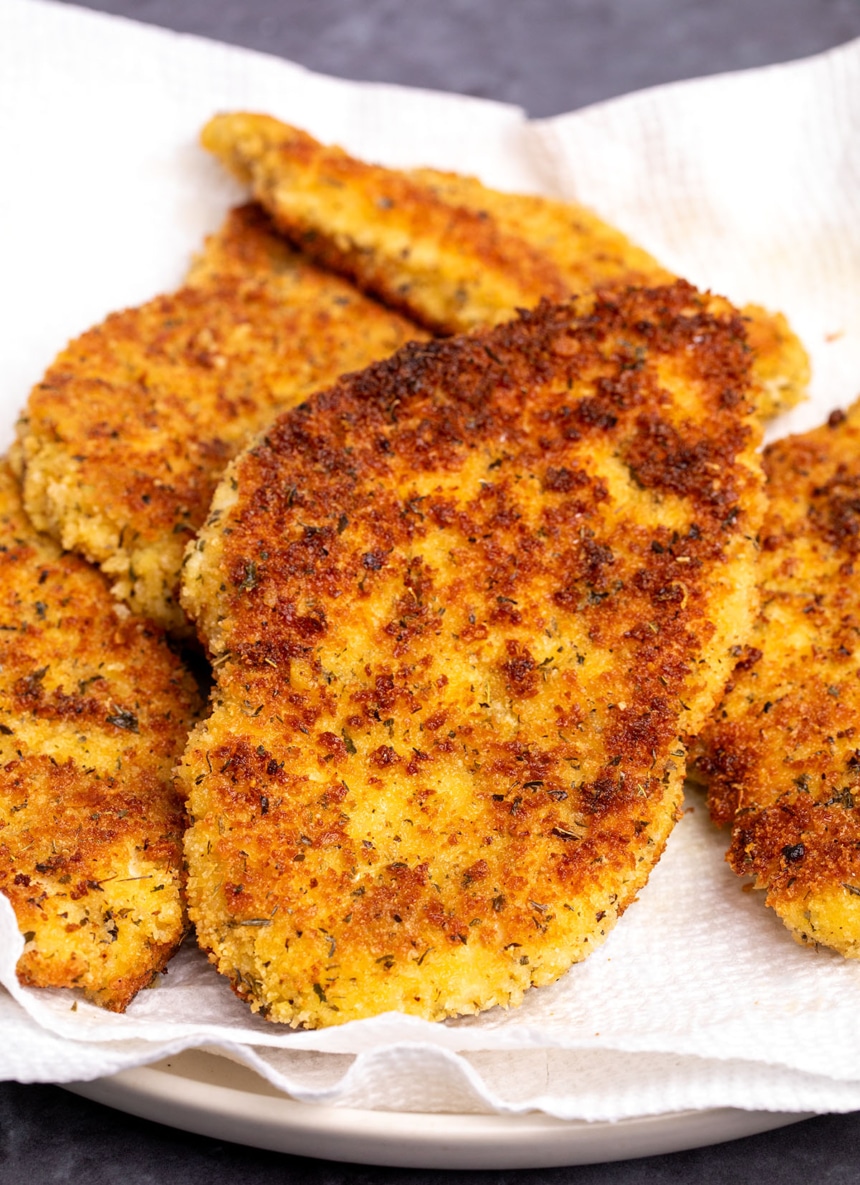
point(548, 56)
point(48, 1135)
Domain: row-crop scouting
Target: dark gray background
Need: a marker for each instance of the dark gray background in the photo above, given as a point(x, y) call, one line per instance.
point(548, 56)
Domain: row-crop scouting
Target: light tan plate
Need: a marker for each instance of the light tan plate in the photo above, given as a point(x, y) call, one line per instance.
point(200, 1092)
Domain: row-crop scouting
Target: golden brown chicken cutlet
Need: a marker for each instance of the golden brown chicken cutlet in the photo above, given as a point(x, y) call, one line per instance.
point(460, 607)
point(453, 253)
point(123, 442)
point(94, 710)
point(782, 753)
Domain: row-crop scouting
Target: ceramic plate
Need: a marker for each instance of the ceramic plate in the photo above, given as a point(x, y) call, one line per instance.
point(204, 1093)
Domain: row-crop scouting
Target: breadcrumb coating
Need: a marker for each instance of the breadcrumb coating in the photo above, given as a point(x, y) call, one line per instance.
point(460, 607)
point(122, 443)
point(781, 753)
point(94, 710)
point(453, 253)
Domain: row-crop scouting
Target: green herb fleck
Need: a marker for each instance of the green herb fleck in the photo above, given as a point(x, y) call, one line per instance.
point(125, 720)
point(250, 578)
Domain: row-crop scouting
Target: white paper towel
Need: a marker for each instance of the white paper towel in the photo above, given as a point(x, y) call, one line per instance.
point(745, 183)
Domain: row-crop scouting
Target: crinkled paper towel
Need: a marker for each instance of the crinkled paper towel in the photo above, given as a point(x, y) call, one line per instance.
point(745, 183)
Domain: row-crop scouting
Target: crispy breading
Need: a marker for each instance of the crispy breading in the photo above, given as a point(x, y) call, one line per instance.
point(460, 608)
point(589, 254)
point(781, 753)
point(94, 710)
point(452, 268)
point(124, 440)
point(453, 253)
point(247, 246)
point(780, 366)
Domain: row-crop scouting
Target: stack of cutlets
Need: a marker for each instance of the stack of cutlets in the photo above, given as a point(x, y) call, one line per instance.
point(453, 254)
point(119, 450)
point(460, 493)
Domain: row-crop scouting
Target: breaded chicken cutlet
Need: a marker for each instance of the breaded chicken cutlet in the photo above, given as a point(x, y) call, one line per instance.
point(453, 253)
point(460, 607)
point(123, 442)
point(94, 710)
point(782, 752)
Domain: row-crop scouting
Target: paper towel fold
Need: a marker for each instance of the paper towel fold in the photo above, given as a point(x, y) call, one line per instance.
point(746, 184)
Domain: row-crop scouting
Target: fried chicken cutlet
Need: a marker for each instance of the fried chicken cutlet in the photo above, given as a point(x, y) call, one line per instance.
point(453, 253)
point(460, 607)
point(94, 710)
point(123, 442)
point(781, 753)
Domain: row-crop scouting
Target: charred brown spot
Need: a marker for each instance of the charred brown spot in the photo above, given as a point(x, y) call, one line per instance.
point(596, 413)
point(661, 458)
point(332, 744)
point(564, 480)
point(520, 671)
point(751, 655)
point(384, 756)
point(834, 511)
point(478, 871)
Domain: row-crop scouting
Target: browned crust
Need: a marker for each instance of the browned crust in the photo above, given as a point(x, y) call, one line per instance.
point(781, 754)
point(588, 252)
point(247, 247)
point(453, 268)
point(453, 253)
point(94, 709)
point(123, 441)
point(460, 607)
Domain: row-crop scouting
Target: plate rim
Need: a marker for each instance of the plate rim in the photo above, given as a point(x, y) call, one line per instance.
point(168, 1092)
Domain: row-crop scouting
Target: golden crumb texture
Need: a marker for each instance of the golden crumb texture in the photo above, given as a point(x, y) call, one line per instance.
point(782, 753)
point(460, 608)
point(94, 710)
point(123, 441)
point(453, 253)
